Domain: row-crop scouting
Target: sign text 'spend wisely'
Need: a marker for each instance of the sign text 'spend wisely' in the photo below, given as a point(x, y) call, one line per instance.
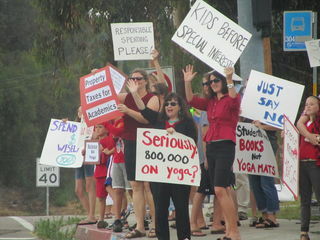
point(132, 41)
point(99, 101)
point(212, 37)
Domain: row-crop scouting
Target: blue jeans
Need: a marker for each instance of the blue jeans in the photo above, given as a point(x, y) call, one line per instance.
point(265, 193)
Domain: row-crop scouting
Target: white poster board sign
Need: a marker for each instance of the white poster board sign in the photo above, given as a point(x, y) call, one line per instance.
point(290, 173)
point(47, 176)
point(92, 152)
point(254, 154)
point(313, 49)
point(85, 133)
point(60, 148)
point(166, 158)
point(211, 37)
point(132, 41)
point(267, 98)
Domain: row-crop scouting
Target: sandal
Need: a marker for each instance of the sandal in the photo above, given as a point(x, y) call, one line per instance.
point(197, 233)
point(102, 224)
point(217, 231)
point(267, 223)
point(135, 234)
point(152, 233)
point(87, 222)
point(304, 236)
point(205, 227)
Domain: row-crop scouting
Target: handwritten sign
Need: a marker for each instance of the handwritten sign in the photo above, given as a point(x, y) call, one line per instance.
point(118, 78)
point(99, 101)
point(212, 37)
point(60, 147)
point(167, 158)
point(267, 98)
point(313, 49)
point(92, 152)
point(254, 153)
point(85, 133)
point(132, 41)
point(290, 173)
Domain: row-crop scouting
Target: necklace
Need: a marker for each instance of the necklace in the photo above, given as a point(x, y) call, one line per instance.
point(173, 121)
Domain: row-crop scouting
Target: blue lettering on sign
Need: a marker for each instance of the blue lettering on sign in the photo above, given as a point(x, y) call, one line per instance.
point(63, 126)
point(66, 148)
point(269, 89)
point(268, 103)
point(66, 159)
point(273, 119)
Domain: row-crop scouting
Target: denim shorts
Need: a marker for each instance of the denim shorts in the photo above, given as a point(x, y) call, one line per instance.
point(85, 171)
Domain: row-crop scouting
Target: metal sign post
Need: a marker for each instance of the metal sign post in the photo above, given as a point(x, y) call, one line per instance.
point(47, 176)
point(314, 69)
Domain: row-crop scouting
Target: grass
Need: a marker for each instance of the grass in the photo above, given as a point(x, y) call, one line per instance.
point(56, 229)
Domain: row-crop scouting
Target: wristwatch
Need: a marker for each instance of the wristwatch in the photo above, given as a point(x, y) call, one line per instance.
point(230, 85)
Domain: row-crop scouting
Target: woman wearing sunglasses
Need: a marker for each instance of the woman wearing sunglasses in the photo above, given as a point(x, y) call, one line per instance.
point(133, 120)
point(174, 116)
point(222, 106)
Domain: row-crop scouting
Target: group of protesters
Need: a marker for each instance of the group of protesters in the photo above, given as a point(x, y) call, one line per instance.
point(150, 103)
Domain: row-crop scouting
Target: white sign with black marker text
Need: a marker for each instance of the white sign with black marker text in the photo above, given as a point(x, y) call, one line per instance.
point(132, 41)
point(212, 37)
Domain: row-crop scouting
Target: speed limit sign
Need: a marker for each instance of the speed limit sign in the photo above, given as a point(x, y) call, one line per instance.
point(47, 176)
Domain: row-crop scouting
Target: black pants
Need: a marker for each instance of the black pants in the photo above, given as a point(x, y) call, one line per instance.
point(161, 196)
point(309, 178)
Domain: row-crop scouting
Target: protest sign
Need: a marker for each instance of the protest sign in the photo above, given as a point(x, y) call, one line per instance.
point(313, 49)
point(60, 147)
point(99, 101)
point(166, 158)
point(132, 41)
point(92, 152)
point(168, 73)
point(267, 98)
point(85, 133)
point(254, 154)
point(290, 172)
point(118, 78)
point(212, 37)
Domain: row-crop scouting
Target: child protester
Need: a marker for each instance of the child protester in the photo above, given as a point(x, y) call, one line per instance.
point(309, 171)
point(107, 148)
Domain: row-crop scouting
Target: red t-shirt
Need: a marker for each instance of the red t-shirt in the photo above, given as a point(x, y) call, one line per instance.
point(130, 124)
point(101, 169)
point(307, 150)
point(223, 116)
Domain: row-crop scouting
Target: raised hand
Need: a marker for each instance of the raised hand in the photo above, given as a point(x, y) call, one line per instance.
point(154, 54)
point(229, 71)
point(188, 73)
point(132, 86)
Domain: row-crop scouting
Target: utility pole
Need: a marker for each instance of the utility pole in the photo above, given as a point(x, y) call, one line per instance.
point(257, 54)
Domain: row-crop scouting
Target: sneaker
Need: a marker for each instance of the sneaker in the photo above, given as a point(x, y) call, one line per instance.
point(242, 216)
point(117, 226)
point(102, 224)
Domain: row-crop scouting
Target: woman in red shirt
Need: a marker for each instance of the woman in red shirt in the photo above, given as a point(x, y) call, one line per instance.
point(309, 172)
point(222, 106)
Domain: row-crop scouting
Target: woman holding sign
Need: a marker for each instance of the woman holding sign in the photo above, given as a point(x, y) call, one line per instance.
point(222, 106)
point(133, 120)
point(174, 116)
point(309, 172)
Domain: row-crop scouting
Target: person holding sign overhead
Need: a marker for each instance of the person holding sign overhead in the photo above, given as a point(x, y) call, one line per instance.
point(174, 116)
point(223, 107)
point(133, 119)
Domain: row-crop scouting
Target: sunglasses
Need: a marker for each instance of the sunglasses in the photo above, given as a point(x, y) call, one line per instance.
point(206, 83)
point(170, 104)
point(216, 80)
point(136, 78)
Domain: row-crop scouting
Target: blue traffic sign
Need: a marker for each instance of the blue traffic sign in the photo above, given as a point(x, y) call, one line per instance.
point(297, 29)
